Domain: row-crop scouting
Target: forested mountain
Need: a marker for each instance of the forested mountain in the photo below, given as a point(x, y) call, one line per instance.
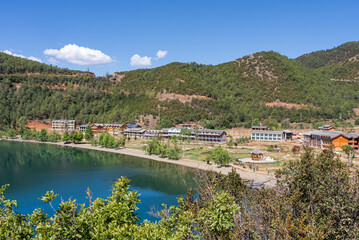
point(263, 85)
point(346, 52)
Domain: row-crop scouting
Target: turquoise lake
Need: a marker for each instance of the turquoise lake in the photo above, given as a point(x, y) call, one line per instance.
point(33, 169)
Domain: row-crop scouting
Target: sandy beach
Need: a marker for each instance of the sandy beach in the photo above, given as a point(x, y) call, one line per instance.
point(266, 179)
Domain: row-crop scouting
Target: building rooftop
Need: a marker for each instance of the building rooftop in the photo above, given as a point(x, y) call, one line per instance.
point(139, 130)
point(260, 127)
point(211, 131)
point(59, 120)
point(267, 131)
point(257, 152)
point(113, 124)
point(331, 134)
point(133, 125)
point(326, 126)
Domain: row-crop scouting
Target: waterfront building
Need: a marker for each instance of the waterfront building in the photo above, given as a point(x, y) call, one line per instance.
point(83, 128)
point(325, 139)
point(202, 135)
point(152, 133)
point(98, 127)
point(211, 136)
point(114, 128)
point(134, 132)
point(63, 125)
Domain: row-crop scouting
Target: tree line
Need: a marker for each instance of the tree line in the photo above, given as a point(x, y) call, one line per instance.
point(315, 198)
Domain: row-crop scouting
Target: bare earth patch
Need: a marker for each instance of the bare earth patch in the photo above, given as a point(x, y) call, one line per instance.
point(278, 103)
point(165, 97)
point(39, 126)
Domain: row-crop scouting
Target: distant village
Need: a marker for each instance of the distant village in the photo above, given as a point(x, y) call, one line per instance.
point(324, 137)
point(136, 131)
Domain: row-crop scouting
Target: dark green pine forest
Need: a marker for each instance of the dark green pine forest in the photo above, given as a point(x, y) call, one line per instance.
point(231, 94)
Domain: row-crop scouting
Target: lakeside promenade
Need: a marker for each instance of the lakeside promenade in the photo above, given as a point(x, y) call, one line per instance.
point(265, 179)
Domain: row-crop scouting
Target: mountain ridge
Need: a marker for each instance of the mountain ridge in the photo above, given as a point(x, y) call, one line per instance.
point(228, 94)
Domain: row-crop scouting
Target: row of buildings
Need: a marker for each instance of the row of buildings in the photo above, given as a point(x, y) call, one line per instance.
point(134, 130)
point(325, 137)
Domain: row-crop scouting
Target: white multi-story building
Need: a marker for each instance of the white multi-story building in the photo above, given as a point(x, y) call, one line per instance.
point(267, 135)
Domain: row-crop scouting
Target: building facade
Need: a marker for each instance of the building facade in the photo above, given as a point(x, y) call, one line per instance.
point(211, 136)
point(325, 139)
point(267, 136)
point(135, 132)
point(152, 134)
point(114, 128)
point(63, 125)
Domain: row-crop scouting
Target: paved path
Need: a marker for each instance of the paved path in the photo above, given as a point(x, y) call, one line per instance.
point(266, 179)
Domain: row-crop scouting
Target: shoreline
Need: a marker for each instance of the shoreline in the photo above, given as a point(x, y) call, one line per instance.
point(265, 179)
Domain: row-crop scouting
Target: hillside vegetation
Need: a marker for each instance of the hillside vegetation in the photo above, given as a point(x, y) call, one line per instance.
point(229, 94)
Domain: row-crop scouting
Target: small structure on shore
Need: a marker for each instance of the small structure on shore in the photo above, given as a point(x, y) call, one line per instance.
point(257, 155)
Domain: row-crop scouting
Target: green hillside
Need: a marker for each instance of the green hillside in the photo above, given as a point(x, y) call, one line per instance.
point(242, 87)
point(337, 55)
point(226, 95)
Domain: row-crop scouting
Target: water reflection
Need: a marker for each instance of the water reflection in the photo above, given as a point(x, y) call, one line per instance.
point(32, 169)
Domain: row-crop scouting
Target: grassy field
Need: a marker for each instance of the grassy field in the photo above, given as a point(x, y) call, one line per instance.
point(199, 152)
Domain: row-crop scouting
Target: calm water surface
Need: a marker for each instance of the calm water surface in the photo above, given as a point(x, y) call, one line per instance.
point(33, 169)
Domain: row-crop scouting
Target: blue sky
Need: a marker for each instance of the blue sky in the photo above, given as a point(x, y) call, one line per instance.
point(208, 32)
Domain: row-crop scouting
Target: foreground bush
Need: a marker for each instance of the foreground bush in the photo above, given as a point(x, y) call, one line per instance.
point(316, 197)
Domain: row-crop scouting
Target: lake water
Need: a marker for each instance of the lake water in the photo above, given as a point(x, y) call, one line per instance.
point(33, 169)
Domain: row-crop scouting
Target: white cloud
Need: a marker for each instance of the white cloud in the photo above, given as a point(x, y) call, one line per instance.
point(79, 55)
point(22, 56)
point(137, 60)
point(161, 54)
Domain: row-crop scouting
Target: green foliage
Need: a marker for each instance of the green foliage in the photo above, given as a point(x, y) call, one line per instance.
point(112, 218)
point(53, 137)
point(271, 123)
point(317, 124)
point(285, 124)
point(219, 156)
point(21, 124)
point(316, 197)
point(10, 133)
point(165, 123)
point(357, 122)
point(270, 148)
point(322, 189)
point(66, 137)
point(154, 146)
point(256, 122)
point(107, 140)
point(350, 152)
point(42, 135)
point(233, 93)
point(89, 134)
point(336, 55)
point(230, 143)
point(174, 152)
point(78, 136)
point(242, 140)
